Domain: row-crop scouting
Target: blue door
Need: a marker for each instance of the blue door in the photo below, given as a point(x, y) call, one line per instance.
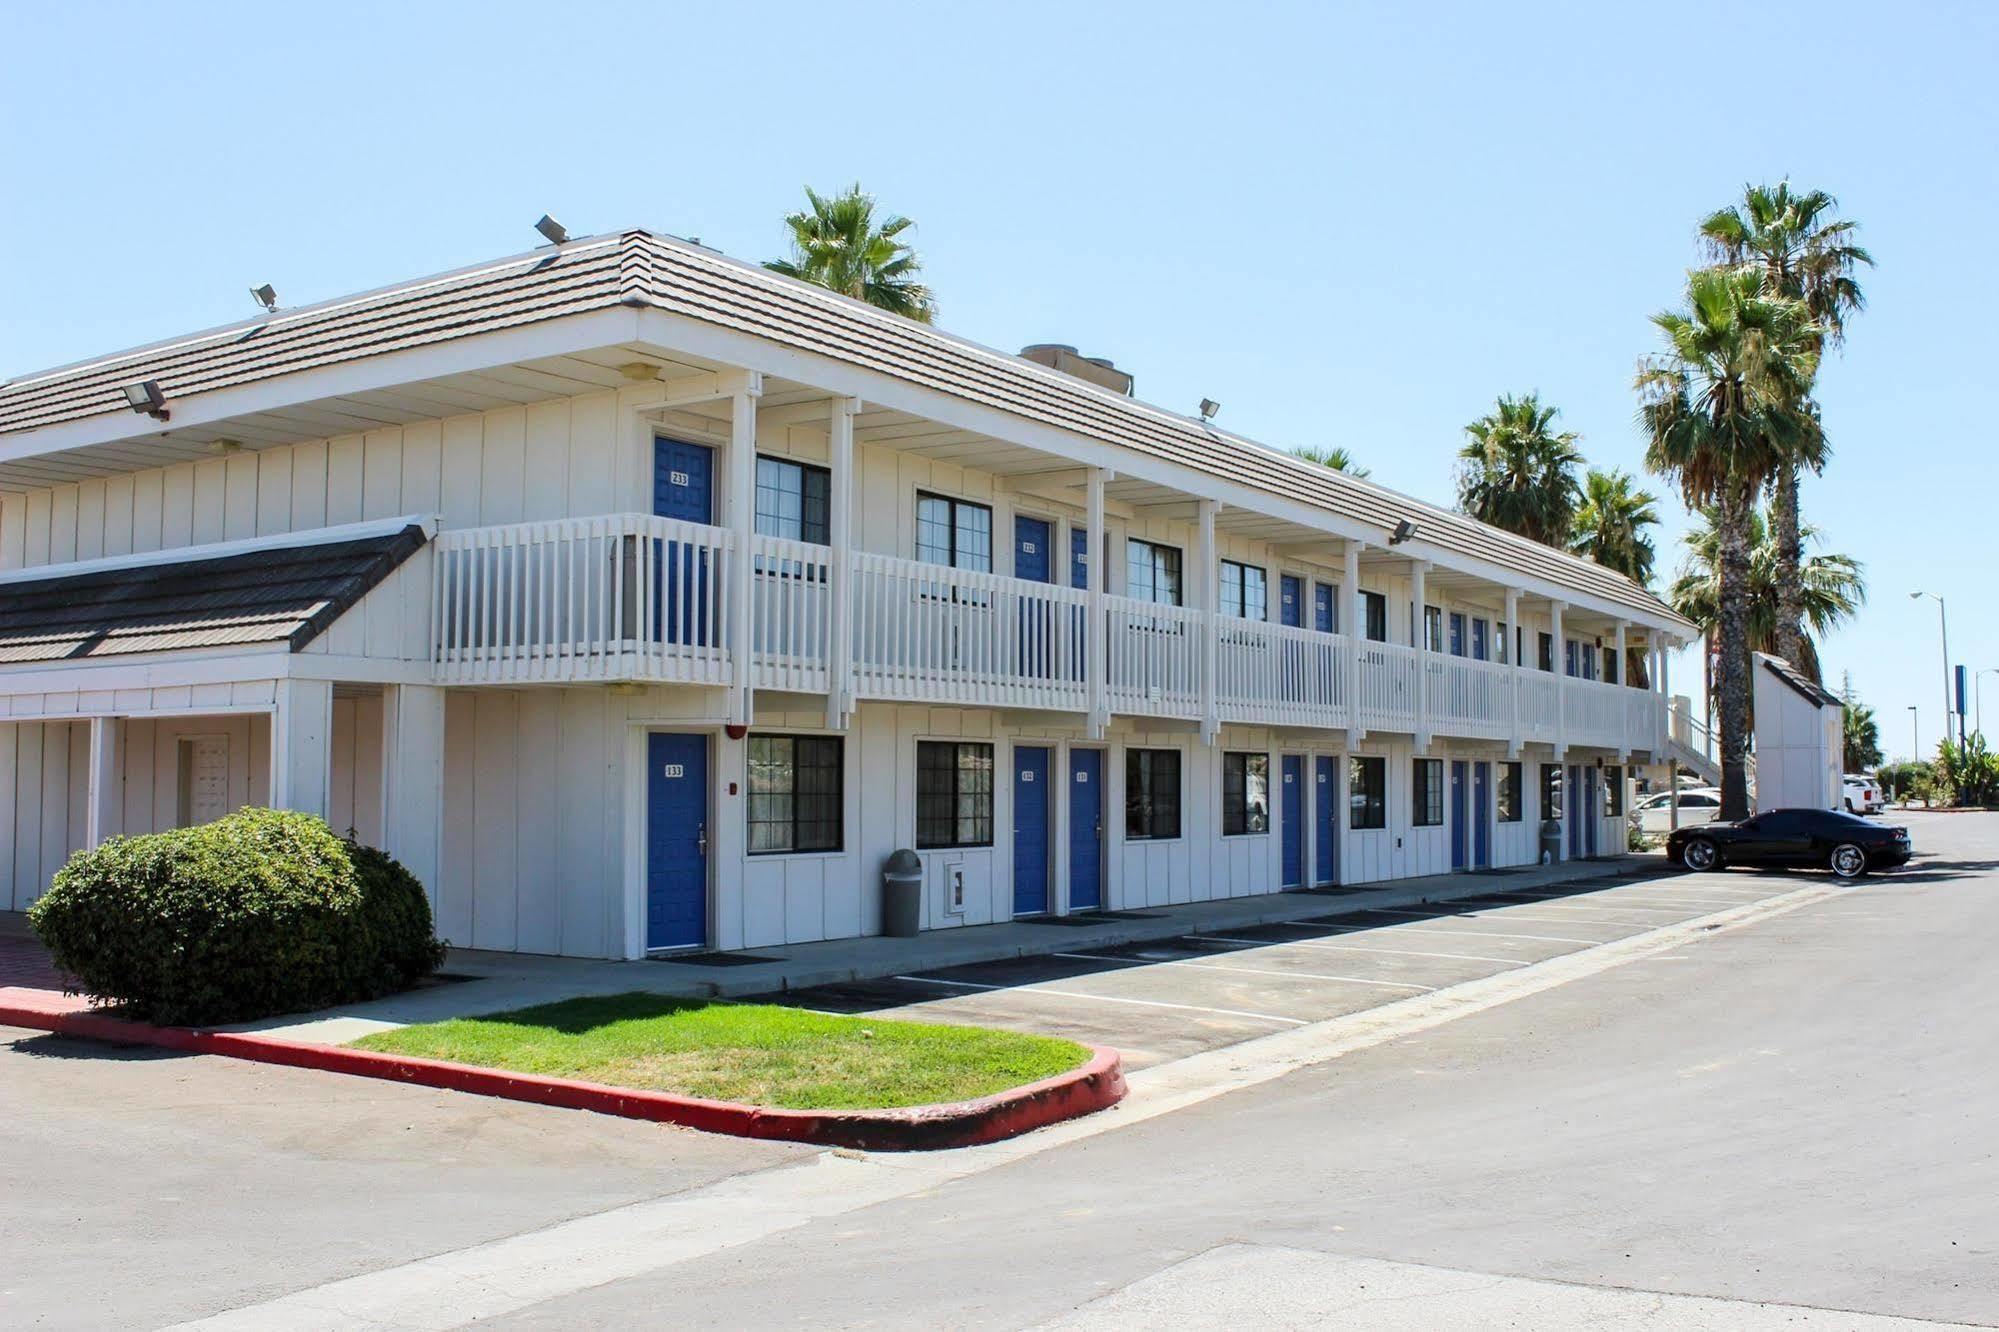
point(1457, 634)
point(676, 841)
point(1569, 656)
point(1326, 808)
point(1290, 600)
point(1459, 814)
point(1589, 811)
point(683, 487)
point(1481, 813)
point(1325, 613)
point(1479, 649)
point(1086, 829)
point(1572, 809)
point(1030, 830)
point(1034, 562)
point(1079, 558)
point(1292, 782)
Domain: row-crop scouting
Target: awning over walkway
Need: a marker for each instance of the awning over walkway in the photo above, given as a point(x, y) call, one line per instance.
point(274, 591)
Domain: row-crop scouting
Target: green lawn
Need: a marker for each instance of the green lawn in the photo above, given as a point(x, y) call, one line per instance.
point(763, 1054)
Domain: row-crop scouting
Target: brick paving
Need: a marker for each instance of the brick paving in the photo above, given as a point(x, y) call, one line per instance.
point(24, 962)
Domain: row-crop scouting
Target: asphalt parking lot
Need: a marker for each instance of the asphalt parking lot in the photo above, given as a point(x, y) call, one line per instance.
point(1166, 999)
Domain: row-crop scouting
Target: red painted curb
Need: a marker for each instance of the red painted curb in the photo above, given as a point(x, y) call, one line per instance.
point(1098, 1083)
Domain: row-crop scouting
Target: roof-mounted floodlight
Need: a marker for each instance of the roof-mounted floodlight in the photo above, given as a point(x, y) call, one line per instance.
point(1403, 531)
point(266, 296)
point(553, 230)
point(1208, 409)
point(145, 397)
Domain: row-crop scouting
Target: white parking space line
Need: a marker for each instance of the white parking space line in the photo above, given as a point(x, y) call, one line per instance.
point(1470, 934)
point(1107, 999)
point(1356, 948)
point(1582, 904)
point(1413, 917)
point(1252, 971)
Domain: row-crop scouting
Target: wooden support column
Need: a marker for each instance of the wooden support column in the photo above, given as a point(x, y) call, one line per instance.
point(1624, 732)
point(413, 780)
point(1211, 585)
point(742, 499)
point(1560, 661)
point(105, 816)
point(840, 535)
point(1356, 631)
point(1420, 637)
point(302, 746)
point(1512, 651)
point(1096, 567)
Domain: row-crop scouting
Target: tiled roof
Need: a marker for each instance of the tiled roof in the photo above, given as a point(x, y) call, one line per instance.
point(1799, 681)
point(639, 269)
point(273, 595)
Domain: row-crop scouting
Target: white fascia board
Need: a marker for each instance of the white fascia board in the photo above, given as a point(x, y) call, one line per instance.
point(673, 333)
point(316, 536)
point(151, 670)
point(483, 351)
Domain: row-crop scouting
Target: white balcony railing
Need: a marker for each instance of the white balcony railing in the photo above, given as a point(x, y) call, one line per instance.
point(614, 598)
point(1154, 666)
point(629, 597)
point(925, 632)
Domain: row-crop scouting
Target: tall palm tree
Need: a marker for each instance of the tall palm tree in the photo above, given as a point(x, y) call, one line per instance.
point(839, 245)
point(1720, 417)
point(1336, 458)
point(1518, 472)
point(1611, 521)
point(1860, 737)
point(1807, 254)
point(1833, 588)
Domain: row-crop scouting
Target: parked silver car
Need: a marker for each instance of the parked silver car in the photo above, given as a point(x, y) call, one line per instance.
point(1653, 815)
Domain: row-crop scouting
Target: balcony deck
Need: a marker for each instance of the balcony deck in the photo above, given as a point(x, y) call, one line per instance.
point(630, 597)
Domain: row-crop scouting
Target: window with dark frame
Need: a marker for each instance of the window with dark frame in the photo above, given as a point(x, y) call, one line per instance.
point(796, 793)
point(1433, 628)
point(1367, 792)
point(1151, 794)
point(794, 501)
point(1245, 794)
point(1429, 799)
point(1551, 790)
point(1509, 793)
point(1613, 792)
point(1245, 591)
point(957, 533)
point(1548, 652)
point(954, 794)
point(1152, 572)
point(1375, 606)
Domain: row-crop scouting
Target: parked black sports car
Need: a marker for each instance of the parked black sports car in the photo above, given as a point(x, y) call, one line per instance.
point(1844, 843)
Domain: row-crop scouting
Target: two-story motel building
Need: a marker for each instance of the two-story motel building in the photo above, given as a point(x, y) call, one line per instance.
point(639, 599)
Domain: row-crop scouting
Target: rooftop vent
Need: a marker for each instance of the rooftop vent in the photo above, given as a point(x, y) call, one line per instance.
point(1097, 370)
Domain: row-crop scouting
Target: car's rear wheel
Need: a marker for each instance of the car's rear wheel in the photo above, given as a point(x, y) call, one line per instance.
point(1700, 854)
point(1848, 861)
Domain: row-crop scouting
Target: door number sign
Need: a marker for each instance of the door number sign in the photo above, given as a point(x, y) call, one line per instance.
point(677, 478)
point(676, 770)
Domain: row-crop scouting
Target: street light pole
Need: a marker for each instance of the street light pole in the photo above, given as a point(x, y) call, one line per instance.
point(1915, 740)
point(1943, 630)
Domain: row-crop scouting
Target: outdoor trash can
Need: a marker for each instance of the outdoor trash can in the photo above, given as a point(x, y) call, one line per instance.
point(902, 895)
point(1551, 841)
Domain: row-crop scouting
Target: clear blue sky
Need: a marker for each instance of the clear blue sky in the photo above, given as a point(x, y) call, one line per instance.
point(1349, 225)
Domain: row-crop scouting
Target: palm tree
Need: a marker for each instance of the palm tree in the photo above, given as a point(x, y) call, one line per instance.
point(839, 245)
point(1609, 524)
point(1720, 417)
point(1336, 458)
point(1808, 255)
point(1834, 588)
point(1519, 473)
point(1860, 738)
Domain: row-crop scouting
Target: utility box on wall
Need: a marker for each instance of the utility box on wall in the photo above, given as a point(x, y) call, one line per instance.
point(1799, 739)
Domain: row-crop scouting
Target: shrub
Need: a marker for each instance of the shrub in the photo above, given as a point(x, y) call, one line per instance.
point(264, 911)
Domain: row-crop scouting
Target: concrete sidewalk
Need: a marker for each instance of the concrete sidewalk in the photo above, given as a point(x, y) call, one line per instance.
point(494, 982)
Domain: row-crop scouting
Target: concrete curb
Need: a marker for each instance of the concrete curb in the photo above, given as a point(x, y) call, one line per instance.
point(1097, 1084)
